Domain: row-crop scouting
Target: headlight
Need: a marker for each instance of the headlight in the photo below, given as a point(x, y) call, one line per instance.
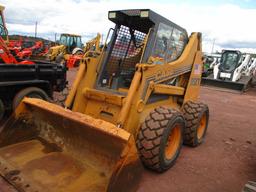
point(144, 14)
point(112, 15)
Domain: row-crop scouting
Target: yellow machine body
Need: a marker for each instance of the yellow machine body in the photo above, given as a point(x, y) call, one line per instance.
point(64, 47)
point(55, 51)
point(89, 145)
point(129, 109)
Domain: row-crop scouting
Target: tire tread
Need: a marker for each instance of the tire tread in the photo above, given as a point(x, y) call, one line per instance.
point(191, 111)
point(149, 137)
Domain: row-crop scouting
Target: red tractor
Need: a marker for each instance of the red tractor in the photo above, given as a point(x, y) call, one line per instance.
point(15, 45)
point(27, 52)
point(38, 49)
point(5, 53)
point(6, 56)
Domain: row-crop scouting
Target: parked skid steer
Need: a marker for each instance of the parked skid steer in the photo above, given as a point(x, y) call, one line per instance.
point(136, 100)
point(232, 72)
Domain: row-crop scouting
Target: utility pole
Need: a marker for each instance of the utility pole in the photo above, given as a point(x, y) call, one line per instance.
point(55, 38)
point(213, 43)
point(36, 29)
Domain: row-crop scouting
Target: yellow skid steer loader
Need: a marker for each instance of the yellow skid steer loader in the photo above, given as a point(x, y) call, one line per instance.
point(137, 100)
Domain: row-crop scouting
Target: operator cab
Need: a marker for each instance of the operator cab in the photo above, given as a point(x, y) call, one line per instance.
point(71, 41)
point(133, 37)
point(230, 60)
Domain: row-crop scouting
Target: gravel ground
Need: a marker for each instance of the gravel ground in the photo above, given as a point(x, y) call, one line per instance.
point(226, 160)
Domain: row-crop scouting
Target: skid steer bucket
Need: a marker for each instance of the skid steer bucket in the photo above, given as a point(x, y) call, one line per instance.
point(44, 147)
point(239, 86)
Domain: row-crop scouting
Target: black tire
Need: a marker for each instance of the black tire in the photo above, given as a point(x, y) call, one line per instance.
point(32, 92)
point(197, 117)
point(154, 134)
point(2, 110)
point(77, 63)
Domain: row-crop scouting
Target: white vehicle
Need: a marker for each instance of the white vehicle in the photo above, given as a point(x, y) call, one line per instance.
point(231, 66)
point(250, 68)
point(210, 60)
point(234, 71)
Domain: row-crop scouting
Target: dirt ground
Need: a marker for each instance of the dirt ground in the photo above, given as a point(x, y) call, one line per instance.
point(226, 160)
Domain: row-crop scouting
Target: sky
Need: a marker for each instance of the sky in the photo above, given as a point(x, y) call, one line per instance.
point(225, 24)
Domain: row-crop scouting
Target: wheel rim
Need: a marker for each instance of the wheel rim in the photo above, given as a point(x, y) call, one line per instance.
point(173, 142)
point(202, 126)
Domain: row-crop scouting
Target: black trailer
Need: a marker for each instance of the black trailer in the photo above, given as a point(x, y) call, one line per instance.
point(38, 80)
